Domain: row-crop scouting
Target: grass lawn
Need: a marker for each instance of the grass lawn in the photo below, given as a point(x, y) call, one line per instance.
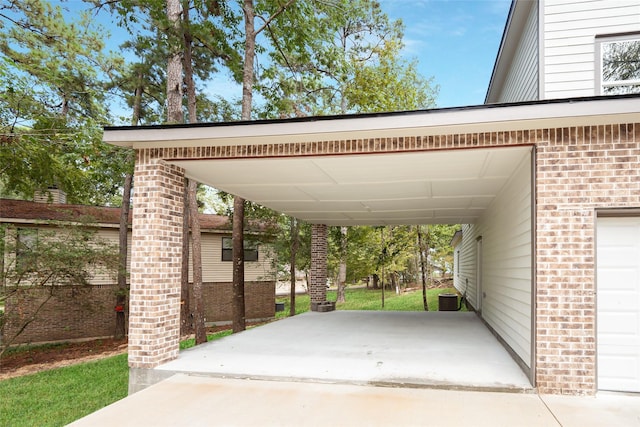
point(60, 396)
point(370, 299)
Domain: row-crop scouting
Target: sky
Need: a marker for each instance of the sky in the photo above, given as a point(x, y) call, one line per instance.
point(454, 41)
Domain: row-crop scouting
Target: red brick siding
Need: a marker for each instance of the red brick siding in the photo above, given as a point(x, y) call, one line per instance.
point(259, 300)
point(89, 312)
point(71, 313)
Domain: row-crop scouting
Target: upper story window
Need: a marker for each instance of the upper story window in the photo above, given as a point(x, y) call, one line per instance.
point(619, 64)
point(250, 250)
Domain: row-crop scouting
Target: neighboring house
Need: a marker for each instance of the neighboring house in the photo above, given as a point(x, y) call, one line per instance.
point(79, 313)
point(548, 187)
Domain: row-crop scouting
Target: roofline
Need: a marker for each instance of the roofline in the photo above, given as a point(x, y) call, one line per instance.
point(515, 24)
point(470, 119)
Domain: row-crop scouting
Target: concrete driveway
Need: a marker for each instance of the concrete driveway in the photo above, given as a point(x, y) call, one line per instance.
point(436, 349)
point(204, 401)
point(357, 369)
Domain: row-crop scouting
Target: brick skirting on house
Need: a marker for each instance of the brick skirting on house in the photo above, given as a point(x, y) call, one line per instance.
point(78, 313)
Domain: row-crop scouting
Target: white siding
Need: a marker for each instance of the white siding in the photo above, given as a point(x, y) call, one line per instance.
point(521, 82)
point(506, 263)
point(570, 28)
point(213, 268)
point(216, 270)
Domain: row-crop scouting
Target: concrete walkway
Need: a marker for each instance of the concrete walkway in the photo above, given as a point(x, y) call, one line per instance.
point(204, 401)
point(435, 349)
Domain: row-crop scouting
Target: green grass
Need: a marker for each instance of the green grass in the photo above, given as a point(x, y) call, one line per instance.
point(371, 299)
point(60, 396)
point(191, 342)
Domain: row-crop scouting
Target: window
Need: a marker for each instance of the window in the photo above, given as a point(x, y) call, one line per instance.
point(27, 239)
point(250, 250)
point(619, 58)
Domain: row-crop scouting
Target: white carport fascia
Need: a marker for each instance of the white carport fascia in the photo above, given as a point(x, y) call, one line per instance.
point(475, 119)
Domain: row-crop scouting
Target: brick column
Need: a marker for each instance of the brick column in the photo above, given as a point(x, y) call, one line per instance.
point(154, 305)
point(318, 285)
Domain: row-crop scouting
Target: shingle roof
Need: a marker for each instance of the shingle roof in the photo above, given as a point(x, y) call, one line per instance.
point(32, 211)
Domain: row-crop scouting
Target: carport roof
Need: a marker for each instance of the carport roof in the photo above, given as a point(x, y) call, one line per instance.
point(447, 186)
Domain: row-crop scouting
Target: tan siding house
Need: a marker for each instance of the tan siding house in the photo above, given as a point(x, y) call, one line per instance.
point(92, 314)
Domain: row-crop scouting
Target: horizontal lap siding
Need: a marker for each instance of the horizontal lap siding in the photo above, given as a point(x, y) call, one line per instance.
point(521, 84)
point(506, 261)
point(570, 28)
point(216, 270)
point(506, 240)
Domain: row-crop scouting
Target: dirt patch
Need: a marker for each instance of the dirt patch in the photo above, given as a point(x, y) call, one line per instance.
point(24, 361)
point(20, 362)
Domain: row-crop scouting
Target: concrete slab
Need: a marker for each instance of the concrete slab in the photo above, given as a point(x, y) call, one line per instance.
point(203, 401)
point(605, 409)
point(436, 349)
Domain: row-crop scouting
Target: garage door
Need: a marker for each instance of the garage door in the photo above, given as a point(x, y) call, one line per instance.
point(618, 299)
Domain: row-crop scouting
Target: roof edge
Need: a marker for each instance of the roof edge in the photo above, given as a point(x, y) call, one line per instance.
point(516, 21)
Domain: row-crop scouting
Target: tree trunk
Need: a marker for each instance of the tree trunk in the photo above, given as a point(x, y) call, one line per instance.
point(375, 282)
point(186, 322)
point(342, 274)
point(423, 269)
point(174, 65)
point(188, 63)
point(198, 312)
point(295, 243)
point(249, 58)
point(121, 298)
point(239, 321)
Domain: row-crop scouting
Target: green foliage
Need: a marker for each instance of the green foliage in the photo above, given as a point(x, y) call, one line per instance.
point(346, 60)
point(54, 73)
point(60, 396)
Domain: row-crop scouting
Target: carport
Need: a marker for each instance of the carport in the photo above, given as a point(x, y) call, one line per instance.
point(472, 165)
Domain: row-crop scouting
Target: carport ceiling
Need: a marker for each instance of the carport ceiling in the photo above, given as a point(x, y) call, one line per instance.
point(445, 187)
point(453, 186)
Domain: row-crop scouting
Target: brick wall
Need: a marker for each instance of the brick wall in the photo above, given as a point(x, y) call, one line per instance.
point(70, 313)
point(88, 312)
point(259, 300)
point(578, 170)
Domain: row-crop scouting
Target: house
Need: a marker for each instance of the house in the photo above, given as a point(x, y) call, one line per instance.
point(580, 279)
point(545, 177)
point(82, 313)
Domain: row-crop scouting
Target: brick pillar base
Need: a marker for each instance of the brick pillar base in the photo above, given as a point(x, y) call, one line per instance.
point(318, 279)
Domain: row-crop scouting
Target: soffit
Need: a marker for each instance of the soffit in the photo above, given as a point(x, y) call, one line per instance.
point(443, 187)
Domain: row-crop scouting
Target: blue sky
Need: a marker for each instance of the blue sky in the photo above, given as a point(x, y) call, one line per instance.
point(455, 42)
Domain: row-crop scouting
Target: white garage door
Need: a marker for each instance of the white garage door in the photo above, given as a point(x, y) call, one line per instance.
point(618, 293)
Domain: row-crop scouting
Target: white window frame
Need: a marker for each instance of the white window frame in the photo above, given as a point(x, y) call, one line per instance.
point(605, 39)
